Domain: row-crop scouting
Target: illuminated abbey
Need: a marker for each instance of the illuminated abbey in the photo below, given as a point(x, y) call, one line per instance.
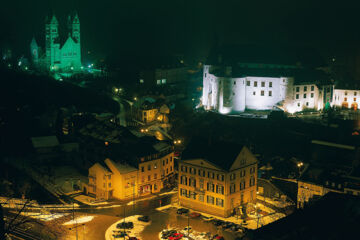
point(61, 53)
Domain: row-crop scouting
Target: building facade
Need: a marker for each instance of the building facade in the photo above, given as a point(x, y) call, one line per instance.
point(205, 186)
point(225, 92)
point(347, 98)
point(151, 174)
point(59, 54)
point(163, 76)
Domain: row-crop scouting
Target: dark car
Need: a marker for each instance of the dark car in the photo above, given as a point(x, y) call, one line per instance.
point(120, 235)
point(236, 227)
point(227, 225)
point(182, 210)
point(144, 218)
point(167, 233)
point(194, 215)
point(218, 222)
point(125, 225)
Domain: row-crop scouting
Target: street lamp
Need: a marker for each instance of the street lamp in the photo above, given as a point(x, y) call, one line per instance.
point(299, 165)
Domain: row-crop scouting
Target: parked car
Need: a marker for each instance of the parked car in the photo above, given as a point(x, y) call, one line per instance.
point(187, 229)
point(226, 225)
point(125, 225)
point(176, 236)
point(236, 227)
point(207, 219)
point(144, 218)
point(194, 215)
point(217, 237)
point(167, 233)
point(182, 210)
point(217, 222)
point(120, 235)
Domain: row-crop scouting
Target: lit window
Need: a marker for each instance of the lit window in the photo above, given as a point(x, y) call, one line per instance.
point(262, 92)
point(270, 93)
point(163, 81)
point(158, 82)
point(141, 80)
point(255, 84)
point(262, 84)
point(219, 202)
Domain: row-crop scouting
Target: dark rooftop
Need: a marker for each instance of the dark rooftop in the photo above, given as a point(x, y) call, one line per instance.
point(222, 154)
point(334, 216)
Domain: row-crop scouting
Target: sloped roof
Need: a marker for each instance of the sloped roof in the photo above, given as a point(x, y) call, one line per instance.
point(44, 142)
point(334, 216)
point(221, 154)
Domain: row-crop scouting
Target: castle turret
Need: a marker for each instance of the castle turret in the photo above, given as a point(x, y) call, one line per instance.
point(75, 28)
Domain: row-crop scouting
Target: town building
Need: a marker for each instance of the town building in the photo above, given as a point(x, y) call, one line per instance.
point(217, 179)
point(61, 53)
point(346, 98)
point(161, 76)
point(143, 175)
point(150, 112)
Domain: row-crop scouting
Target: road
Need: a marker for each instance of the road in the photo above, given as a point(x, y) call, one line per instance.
point(95, 230)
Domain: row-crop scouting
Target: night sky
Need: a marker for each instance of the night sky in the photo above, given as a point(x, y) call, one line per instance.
point(161, 27)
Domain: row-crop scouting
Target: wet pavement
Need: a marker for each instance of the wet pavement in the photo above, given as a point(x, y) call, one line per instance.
point(159, 219)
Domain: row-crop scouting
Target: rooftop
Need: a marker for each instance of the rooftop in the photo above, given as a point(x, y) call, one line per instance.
point(222, 154)
point(334, 216)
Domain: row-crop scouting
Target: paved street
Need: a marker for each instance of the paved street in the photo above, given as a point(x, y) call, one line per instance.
point(104, 218)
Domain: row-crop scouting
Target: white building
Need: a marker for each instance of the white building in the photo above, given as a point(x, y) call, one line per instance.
point(347, 98)
point(223, 91)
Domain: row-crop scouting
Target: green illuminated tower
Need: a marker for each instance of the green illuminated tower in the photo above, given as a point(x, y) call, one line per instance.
point(51, 45)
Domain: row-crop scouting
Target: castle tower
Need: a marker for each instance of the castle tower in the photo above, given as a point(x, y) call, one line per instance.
point(75, 33)
point(75, 28)
point(51, 35)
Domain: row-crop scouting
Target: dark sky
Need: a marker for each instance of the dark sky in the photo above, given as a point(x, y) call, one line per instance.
point(173, 26)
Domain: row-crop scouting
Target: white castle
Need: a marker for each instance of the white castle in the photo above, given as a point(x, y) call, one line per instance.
point(228, 91)
point(59, 54)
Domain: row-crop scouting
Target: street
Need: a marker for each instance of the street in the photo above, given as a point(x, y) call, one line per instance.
point(104, 218)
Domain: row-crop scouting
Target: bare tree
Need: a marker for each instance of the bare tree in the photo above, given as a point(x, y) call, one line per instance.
point(14, 219)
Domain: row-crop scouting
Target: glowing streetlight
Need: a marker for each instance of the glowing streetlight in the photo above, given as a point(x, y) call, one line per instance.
point(135, 98)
